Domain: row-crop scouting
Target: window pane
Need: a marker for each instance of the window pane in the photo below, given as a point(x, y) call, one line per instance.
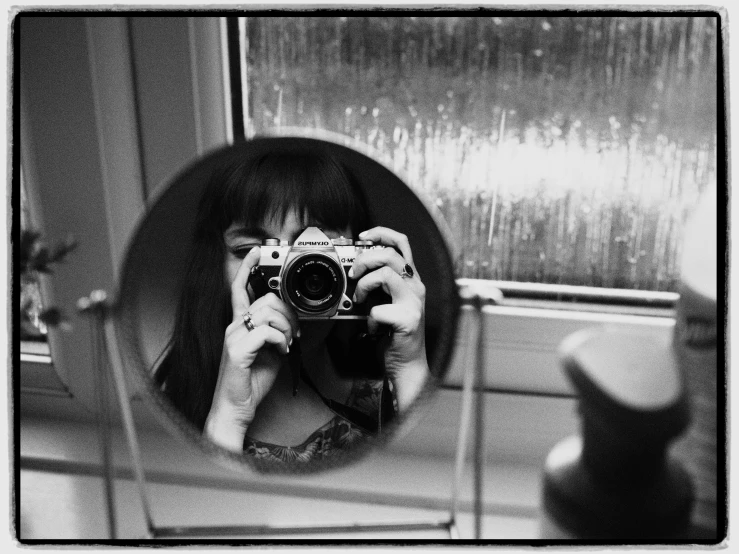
point(559, 149)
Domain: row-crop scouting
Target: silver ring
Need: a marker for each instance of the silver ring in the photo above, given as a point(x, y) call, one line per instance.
point(248, 322)
point(407, 271)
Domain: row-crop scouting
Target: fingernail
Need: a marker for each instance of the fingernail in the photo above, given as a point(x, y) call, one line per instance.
point(362, 234)
point(354, 298)
point(288, 349)
point(351, 273)
point(298, 333)
point(290, 343)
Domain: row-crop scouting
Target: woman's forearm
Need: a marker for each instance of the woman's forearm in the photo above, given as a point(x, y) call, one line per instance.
point(408, 382)
point(225, 430)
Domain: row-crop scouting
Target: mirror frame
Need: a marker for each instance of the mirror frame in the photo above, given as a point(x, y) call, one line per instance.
point(127, 317)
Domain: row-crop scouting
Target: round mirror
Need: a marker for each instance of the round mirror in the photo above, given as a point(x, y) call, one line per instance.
point(306, 352)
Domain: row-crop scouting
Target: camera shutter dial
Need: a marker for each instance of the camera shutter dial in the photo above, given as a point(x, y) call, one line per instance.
point(342, 241)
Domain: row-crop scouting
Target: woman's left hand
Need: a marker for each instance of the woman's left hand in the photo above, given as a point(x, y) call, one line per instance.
point(392, 268)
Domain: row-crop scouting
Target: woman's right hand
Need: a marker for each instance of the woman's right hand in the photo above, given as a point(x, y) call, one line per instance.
point(249, 366)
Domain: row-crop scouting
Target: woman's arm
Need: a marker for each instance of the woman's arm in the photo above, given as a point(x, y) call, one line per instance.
point(254, 347)
point(392, 270)
point(408, 382)
point(225, 430)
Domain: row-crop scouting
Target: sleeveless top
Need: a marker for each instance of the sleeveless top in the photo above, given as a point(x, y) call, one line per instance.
point(346, 429)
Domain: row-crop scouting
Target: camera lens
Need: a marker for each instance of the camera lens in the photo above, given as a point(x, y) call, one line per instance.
point(314, 283)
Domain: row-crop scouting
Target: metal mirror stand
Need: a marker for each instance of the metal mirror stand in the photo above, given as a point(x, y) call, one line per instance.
point(108, 359)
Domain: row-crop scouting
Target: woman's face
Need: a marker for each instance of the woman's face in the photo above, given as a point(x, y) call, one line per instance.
point(240, 238)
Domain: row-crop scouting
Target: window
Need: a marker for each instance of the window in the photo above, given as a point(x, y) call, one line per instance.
point(560, 150)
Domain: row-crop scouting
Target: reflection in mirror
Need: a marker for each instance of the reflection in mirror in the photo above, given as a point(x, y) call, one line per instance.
point(292, 330)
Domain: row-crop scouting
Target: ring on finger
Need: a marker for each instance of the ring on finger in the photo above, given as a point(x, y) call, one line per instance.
point(407, 271)
point(248, 322)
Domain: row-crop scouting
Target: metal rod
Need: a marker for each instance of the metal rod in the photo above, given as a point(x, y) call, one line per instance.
point(479, 444)
point(478, 295)
point(464, 426)
point(128, 423)
point(453, 531)
point(104, 424)
point(235, 530)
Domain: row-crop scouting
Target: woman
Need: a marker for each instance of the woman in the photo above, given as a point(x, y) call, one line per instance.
point(228, 369)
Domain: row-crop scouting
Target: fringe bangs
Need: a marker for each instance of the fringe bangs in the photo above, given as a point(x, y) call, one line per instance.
point(313, 185)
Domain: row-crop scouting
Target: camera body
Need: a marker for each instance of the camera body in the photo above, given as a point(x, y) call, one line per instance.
point(311, 275)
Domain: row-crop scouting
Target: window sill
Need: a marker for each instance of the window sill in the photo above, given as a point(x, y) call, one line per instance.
point(521, 344)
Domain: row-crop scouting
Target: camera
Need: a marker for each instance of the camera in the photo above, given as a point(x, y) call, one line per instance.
point(311, 275)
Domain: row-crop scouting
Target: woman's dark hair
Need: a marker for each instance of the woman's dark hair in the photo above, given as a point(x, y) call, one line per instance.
point(251, 191)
